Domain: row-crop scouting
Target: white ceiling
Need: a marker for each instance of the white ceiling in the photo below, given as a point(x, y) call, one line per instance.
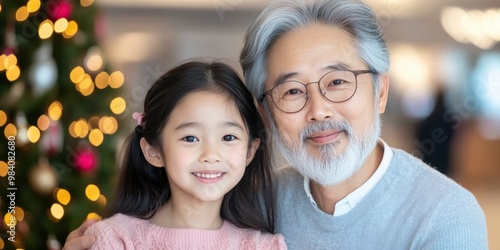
point(187, 4)
point(397, 8)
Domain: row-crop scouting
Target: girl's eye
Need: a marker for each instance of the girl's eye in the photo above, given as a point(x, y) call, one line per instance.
point(190, 138)
point(229, 138)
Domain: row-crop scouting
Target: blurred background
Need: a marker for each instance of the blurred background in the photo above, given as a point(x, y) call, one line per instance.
point(72, 73)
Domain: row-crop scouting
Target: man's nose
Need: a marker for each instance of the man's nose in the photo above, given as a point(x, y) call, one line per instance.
point(318, 107)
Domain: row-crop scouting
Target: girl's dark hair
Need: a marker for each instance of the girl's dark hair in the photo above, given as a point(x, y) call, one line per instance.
point(143, 188)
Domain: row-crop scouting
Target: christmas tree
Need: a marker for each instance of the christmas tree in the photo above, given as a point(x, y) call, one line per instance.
point(59, 112)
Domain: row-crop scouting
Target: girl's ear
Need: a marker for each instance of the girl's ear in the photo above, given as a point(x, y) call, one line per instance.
point(251, 151)
point(151, 154)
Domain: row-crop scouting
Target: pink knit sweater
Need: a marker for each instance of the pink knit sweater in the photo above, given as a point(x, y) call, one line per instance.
point(126, 232)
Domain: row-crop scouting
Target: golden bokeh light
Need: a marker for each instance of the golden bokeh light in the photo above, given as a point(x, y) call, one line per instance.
point(118, 105)
point(33, 134)
point(45, 29)
point(87, 91)
point(55, 110)
point(86, 3)
point(77, 74)
point(63, 196)
point(108, 125)
point(84, 84)
point(93, 216)
point(70, 30)
point(10, 220)
point(3, 118)
point(96, 137)
point(57, 211)
point(13, 73)
point(102, 200)
point(72, 131)
point(61, 25)
point(4, 169)
point(33, 5)
point(19, 213)
point(116, 79)
point(92, 192)
point(81, 128)
point(10, 130)
point(94, 62)
point(10, 61)
point(102, 80)
point(3, 57)
point(22, 13)
point(43, 122)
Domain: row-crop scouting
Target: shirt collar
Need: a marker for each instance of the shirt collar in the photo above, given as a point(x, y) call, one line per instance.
point(351, 200)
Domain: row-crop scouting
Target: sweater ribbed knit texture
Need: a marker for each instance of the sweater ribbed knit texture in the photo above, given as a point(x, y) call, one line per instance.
point(412, 207)
point(125, 232)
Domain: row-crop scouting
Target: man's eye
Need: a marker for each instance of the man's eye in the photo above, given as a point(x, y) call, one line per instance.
point(229, 138)
point(337, 82)
point(293, 92)
point(190, 139)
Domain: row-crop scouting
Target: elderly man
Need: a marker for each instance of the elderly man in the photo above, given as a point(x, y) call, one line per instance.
point(319, 72)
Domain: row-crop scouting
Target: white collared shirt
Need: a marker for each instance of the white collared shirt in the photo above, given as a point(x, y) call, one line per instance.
point(351, 200)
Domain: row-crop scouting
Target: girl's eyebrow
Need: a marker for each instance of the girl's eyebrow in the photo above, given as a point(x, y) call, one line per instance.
point(187, 125)
point(197, 124)
point(234, 124)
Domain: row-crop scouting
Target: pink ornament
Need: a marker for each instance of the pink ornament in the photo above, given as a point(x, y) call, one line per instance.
point(85, 161)
point(57, 10)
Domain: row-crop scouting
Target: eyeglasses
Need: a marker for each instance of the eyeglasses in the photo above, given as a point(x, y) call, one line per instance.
point(336, 86)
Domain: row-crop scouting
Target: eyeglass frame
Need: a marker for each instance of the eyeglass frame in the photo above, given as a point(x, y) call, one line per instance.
point(354, 72)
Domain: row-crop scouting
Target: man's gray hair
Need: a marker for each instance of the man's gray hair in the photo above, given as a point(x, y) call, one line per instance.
point(280, 17)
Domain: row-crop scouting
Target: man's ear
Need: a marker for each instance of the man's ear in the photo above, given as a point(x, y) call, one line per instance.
point(251, 151)
point(383, 93)
point(152, 155)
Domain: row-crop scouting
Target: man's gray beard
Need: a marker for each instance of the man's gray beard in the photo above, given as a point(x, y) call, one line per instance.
point(331, 167)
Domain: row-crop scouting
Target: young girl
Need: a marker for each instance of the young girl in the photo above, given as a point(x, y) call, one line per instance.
point(194, 175)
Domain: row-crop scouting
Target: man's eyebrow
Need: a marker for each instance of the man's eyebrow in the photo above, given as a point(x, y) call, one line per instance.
point(283, 78)
point(337, 66)
point(286, 76)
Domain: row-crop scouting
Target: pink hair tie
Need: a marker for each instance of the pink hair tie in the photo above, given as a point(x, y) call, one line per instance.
point(138, 117)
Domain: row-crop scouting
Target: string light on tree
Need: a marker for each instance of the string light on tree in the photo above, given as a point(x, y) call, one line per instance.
point(9, 64)
point(57, 211)
point(3, 118)
point(92, 192)
point(118, 105)
point(63, 196)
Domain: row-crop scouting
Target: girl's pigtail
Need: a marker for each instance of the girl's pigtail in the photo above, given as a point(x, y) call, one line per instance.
point(142, 187)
